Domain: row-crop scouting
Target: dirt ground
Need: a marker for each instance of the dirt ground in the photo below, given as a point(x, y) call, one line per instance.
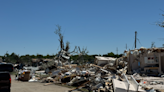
point(18, 86)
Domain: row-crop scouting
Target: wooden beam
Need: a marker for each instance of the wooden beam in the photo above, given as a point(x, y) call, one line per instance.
point(47, 84)
point(83, 85)
point(159, 50)
point(151, 67)
point(97, 66)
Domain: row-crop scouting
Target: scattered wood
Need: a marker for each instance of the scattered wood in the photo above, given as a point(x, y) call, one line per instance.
point(47, 84)
point(83, 85)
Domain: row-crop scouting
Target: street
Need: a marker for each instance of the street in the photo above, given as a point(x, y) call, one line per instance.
point(18, 86)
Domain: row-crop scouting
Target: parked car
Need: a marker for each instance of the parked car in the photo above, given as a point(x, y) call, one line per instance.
point(6, 67)
point(5, 78)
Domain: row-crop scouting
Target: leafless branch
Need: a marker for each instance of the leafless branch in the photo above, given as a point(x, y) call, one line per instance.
point(67, 46)
point(79, 49)
point(58, 32)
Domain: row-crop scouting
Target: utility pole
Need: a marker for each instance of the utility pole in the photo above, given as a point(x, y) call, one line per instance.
point(126, 46)
point(135, 39)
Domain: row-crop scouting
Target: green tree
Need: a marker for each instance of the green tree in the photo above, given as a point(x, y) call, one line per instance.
point(33, 56)
point(48, 56)
point(39, 56)
point(27, 60)
point(11, 58)
point(111, 54)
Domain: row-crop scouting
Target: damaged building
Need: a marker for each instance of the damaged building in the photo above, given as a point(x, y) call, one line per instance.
point(146, 60)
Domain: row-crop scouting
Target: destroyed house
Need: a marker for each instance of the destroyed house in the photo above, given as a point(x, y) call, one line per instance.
point(146, 60)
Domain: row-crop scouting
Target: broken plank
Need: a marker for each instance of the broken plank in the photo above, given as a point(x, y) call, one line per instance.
point(47, 84)
point(83, 85)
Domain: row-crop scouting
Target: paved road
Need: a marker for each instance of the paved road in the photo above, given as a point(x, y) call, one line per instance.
point(18, 86)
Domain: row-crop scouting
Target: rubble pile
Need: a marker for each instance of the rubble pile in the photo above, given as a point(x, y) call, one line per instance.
point(107, 74)
point(97, 77)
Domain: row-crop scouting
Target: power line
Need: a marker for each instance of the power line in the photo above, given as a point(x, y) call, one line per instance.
point(139, 42)
point(135, 39)
point(133, 44)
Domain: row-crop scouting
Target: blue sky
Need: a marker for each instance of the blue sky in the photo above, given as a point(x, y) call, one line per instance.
point(27, 26)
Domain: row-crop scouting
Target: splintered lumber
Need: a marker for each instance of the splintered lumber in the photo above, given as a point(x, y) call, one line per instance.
point(151, 67)
point(112, 68)
point(121, 79)
point(101, 90)
point(83, 85)
point(63, 83)
point(97, 66)
point(57, 82)
point(47, 84)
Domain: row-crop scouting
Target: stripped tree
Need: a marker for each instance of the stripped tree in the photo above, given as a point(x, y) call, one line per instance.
point(64, 54)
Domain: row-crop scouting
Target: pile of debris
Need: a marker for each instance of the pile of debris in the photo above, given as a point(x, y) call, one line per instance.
point(107, 75)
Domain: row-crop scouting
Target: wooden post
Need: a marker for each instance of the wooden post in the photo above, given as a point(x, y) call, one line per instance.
point(129, 63)
point(135, 39)
point(159, 55)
